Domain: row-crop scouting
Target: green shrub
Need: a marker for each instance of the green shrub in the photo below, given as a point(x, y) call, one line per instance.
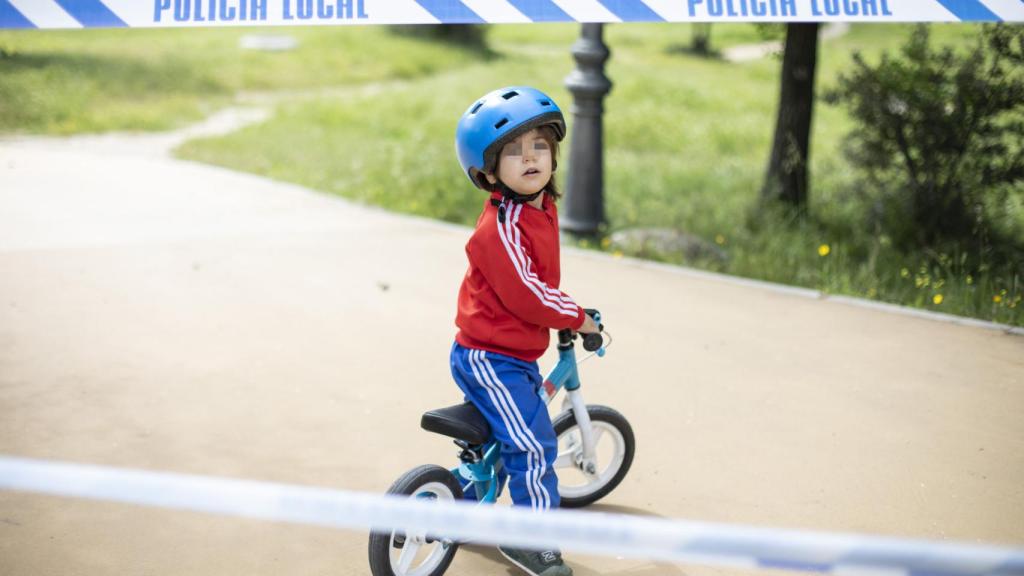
point(940, 139)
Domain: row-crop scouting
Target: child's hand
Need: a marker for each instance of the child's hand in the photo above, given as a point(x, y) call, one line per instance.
point(589, 326)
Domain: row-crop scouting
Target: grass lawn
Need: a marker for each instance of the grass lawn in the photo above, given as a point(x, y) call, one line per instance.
point(686, 138)
point(64, 82)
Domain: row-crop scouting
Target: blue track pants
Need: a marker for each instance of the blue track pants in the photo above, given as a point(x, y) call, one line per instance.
point(505, 390)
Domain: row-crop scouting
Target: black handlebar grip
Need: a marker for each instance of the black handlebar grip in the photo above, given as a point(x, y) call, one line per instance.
point(592, 342)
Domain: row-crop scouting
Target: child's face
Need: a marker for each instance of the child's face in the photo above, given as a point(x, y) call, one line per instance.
point(524, 164)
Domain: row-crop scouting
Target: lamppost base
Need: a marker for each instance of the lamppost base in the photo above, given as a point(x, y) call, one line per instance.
point(572, 230)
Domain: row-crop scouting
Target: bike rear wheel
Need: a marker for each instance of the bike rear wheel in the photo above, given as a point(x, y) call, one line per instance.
point(614, 448)
point(416, 553)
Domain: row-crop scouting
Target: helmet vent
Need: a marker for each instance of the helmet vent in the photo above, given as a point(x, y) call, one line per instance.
point(545, 103)
point(501, 123)
point(510, 95)
point(477, 107)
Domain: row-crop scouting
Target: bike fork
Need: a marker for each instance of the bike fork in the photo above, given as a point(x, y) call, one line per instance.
point(579, 409)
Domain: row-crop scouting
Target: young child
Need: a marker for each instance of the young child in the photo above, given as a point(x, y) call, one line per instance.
point(507, 143)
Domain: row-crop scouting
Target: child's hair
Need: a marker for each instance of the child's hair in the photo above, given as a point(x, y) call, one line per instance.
point(548, 133)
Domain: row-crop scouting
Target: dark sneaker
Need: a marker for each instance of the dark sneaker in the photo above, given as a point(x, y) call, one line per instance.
point(545, 563)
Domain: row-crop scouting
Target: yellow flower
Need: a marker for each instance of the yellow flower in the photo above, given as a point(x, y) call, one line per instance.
point(937, 299)
point(606, 242)
point(997, 298)
point(617, 254)
point(719, 239)
point(823, 250)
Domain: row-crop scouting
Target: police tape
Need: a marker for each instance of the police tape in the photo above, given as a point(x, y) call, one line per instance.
point(590, 532)
point(205, 13)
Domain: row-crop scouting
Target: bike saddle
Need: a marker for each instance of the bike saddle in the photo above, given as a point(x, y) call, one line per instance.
point(462, 422)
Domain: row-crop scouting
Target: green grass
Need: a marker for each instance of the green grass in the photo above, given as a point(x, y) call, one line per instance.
point(686, 141)
point(662, 36)
point(63, 82)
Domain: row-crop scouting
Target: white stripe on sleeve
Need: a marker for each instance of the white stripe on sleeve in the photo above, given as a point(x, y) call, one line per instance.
point(545, 299)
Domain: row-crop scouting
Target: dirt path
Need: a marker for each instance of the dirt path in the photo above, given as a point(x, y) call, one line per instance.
point(166, 315)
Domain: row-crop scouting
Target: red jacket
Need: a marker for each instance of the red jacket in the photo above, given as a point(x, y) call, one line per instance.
point(509, 298)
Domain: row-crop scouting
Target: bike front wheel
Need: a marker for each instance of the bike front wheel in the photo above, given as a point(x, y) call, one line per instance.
point(614, 445)
point(414, 552)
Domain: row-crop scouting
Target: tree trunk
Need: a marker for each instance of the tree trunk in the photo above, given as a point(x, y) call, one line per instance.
point(786, 180)
point(701, 38)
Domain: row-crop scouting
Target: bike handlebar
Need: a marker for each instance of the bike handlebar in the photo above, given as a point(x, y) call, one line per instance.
point(591, 342)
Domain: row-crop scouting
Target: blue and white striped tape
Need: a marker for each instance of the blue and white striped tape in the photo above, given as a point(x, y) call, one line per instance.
point(161, 13)
point(591, 532)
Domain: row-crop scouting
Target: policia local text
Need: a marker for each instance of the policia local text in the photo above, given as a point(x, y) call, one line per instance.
point(256, 10)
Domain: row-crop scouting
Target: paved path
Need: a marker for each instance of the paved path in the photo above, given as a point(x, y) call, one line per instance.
point(748, 52)
point(166, 315)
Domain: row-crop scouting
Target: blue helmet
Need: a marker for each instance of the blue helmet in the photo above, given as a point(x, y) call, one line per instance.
point(494, 120)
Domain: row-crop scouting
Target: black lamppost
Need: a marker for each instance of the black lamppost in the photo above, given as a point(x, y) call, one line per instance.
point(583, 212)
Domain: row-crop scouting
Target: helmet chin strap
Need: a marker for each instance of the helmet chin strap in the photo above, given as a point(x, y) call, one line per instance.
point(509, 194)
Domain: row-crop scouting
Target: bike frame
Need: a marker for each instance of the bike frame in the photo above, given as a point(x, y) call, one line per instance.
point(484, 473)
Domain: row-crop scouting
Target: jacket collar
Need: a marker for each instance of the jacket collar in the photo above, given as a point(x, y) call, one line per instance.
point(545, 204)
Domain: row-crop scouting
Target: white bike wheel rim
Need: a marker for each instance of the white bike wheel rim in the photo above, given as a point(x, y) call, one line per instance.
point(419, 557)
point(610, 452)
